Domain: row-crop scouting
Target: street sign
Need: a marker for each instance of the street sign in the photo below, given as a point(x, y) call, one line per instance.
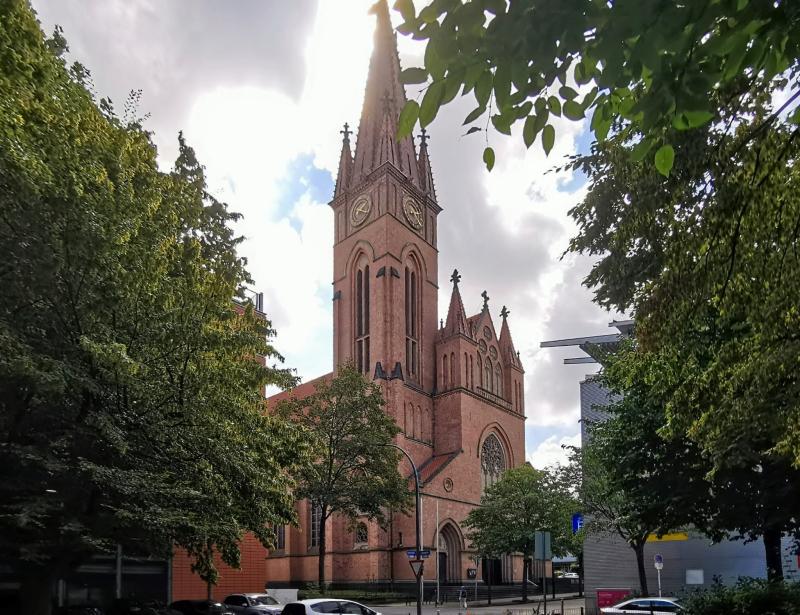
point(542, 546)
point(416, 566)
point(472, 573)
point(659, 561)
point(425, 554)
point(412, 554)
point(577, 522)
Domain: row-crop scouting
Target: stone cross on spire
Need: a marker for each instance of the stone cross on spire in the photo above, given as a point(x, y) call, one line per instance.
point(485, 296)
point(504, 312)
point(456, 277)
point(346, 132)
point(423, 138)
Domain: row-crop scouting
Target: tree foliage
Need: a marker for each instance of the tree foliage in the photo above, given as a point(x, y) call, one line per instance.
point(746, 597)
point(648, 65)
point(524, 501)
point(131, 408)
point(354, 470)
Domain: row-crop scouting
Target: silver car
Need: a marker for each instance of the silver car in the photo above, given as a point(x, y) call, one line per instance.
point(327, 605)
point(644, 606)
point(253, 604)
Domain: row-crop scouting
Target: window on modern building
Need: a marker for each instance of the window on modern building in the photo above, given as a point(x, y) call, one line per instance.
point(316, 518)
point(362, 316)
point(361, 534)
point(493, 461)
point(412, 321)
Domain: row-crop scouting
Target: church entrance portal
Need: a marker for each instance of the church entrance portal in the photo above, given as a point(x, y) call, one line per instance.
point(449, 555)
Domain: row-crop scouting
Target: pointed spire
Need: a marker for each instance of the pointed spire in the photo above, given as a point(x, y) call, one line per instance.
point(506, 343)
point(345, 163)
point(424, 166)
point(456, 317)
point(383, 100)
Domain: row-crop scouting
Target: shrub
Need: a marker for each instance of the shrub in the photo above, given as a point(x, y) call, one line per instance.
point(747, 597)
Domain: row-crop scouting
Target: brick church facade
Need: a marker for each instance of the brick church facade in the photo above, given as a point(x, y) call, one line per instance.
point(455, 386)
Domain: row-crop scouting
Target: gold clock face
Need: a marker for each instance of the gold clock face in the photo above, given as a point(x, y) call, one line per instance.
point(360, 210)
point(413, 212)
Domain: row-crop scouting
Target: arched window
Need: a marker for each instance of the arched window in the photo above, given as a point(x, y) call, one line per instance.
point(362, 315)
point(412, 319)
point(488, 375)
point(427, 427)
point(480, 371)
point(466, 371)
point(453, 382)
point(471, 373)
point(418, 422)
point(361, 534)
point(493, 461)
point(445, 371)
point(498, 381)
point(315, 520)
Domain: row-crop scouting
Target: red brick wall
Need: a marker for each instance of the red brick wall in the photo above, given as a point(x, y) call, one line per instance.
point(251, 577)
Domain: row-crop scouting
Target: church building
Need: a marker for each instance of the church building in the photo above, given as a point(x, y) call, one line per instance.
point(454, 386)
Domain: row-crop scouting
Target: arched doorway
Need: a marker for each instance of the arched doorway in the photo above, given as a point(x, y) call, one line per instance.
point(449, 554)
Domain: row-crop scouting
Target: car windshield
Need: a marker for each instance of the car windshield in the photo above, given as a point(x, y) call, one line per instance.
point(263, 599)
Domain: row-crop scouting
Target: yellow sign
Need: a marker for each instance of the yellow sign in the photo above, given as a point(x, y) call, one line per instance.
point(675, 536)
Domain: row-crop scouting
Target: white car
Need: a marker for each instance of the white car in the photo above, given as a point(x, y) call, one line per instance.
point(645, 606)
point(253, 604)
point(327, 605)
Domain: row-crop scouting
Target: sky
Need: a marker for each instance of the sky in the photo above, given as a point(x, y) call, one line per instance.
point(261, 89)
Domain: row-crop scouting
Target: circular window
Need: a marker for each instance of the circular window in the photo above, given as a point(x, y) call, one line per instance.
point(448, 484)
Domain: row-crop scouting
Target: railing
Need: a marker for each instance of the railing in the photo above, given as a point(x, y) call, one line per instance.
point(493, 398)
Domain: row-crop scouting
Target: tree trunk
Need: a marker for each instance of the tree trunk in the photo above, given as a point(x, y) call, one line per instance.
point(638, 548)
point(772, 550)
point(525, 578)
point(36, 590)
point(321, 548)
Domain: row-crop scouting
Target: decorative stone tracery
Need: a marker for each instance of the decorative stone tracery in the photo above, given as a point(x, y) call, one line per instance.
point(493, 460)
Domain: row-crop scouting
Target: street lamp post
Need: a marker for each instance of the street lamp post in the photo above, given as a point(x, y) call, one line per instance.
point(419, 524)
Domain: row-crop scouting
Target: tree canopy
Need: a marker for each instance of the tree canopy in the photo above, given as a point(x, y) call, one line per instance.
point(650, 66)
point(131, 408)
point(522, 502)
point(354, 470)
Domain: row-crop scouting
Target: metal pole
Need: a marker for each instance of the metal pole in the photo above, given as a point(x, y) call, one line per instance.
point(419, 523)
point(118, 584)
point(659, 582)
point(437, 553)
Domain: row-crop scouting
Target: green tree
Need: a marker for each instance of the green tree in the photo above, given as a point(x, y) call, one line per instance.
point(524, 501)
point(354, 472)
point(649, 66)
point(130, 394)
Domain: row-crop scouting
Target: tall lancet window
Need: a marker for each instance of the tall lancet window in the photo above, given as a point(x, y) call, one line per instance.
point(493, 461)
point(362, 316)
point(412, 321)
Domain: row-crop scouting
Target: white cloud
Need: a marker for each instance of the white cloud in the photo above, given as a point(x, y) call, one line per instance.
point(256, 87)
point(551, 452)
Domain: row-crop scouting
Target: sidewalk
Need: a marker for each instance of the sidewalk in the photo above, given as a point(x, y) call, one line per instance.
point(499, 606)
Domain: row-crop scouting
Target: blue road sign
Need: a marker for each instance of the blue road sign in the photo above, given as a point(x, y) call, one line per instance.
point(425, 554)
point(412, 554)
point(577, 522)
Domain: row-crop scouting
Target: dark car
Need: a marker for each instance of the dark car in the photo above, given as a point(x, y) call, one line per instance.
point(200, 607)
point(80, 609)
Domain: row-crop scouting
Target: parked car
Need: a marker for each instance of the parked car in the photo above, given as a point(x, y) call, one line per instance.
point(80, 609)
point(252, 604)
point(327, 605)
point(200, 607)
point(656, 606)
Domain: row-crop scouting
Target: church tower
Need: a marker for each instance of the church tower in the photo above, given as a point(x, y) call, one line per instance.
point(384, 256)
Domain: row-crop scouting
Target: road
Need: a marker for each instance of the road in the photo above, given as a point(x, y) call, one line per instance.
point(502, 607)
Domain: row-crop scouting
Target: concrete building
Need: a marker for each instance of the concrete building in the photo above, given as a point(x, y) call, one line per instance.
point(690, 559)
